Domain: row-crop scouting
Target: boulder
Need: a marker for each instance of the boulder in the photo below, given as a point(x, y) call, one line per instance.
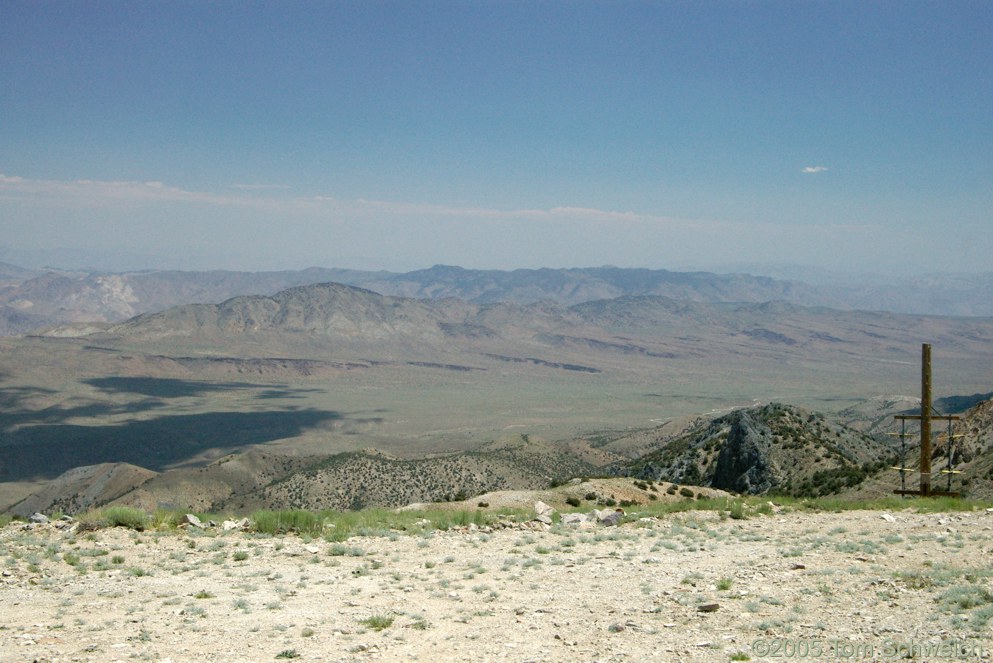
point(580, 520)
point(608, 517)
point(543, 512)
point(229, 525)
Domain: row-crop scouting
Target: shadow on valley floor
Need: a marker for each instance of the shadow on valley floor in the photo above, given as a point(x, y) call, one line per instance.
point(44, 451)
point(163, 387)
point(17, 408)
point(173, 388)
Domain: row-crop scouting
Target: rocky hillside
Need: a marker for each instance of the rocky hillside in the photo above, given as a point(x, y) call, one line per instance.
point(258, 480)
point(771, 448)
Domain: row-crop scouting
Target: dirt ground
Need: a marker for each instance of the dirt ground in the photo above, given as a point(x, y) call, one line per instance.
point(695, 586)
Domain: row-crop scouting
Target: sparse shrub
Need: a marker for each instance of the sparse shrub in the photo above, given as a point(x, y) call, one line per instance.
point(737, 510)
point(124, 516)
point(590, 497)
point(285, 522)
point(483, 505)
point(239, 556)
point(573, 501)
point(686, 492)
point(378, 622)
point(288, 653)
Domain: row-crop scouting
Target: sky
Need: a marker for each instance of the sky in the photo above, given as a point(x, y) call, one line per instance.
point(841, 135)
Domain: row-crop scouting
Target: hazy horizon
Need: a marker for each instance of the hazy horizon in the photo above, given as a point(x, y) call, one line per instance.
point(838, 136)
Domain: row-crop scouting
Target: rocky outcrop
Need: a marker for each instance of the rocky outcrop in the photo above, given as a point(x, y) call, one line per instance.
point(774, 447)
point(744, 464)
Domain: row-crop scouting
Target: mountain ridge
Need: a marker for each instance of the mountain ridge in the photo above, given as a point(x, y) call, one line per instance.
point(30, 299)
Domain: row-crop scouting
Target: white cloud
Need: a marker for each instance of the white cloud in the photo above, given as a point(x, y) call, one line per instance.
point(260, 187)
point(814, 169)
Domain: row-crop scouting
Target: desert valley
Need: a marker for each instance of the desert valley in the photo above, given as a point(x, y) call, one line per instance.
point(720, 420)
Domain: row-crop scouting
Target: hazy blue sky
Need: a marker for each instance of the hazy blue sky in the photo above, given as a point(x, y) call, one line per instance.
point(846, 135)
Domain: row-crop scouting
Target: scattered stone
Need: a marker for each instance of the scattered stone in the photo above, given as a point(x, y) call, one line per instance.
point(608, 517)
point(797, 567)
point(888, 518)
point(38, 519)
point(239, 524)
point(708, 607)
point(193, 521)
point(577, 520)
point(543, 512)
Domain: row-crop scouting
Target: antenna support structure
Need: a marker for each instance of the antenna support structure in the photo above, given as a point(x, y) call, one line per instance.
point(928, 414)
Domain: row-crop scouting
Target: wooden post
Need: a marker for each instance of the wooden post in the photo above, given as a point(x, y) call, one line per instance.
point(926, 419)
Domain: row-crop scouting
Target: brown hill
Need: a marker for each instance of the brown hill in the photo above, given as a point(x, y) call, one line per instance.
point(84, 488)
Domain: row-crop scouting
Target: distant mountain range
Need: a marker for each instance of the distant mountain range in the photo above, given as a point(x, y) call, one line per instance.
point(335, 395)
point(31, 300)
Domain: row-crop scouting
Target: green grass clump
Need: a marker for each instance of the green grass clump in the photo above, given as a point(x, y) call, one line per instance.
point(124, 516)
point(965, 597)
point(378, 622)
point(294, 521)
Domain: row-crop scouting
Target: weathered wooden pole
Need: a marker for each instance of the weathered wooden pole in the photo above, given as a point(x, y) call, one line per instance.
point(926, 419)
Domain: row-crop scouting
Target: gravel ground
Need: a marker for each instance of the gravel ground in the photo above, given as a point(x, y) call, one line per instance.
point(861, 585)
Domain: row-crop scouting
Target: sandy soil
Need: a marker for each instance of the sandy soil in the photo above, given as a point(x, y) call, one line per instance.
point(690, 587)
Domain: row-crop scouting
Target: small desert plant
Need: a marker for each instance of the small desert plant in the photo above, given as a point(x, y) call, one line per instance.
point(724, 584)
point(288, 653)
point(572, 501)
point(124, 516)
point(737, 510)
point(288, 521)
point(378, 622)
